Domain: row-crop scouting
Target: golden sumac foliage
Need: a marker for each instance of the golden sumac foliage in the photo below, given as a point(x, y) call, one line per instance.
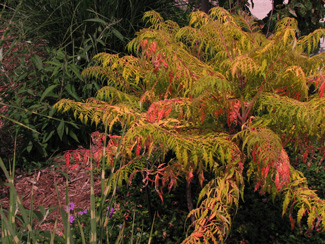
point(219, 95)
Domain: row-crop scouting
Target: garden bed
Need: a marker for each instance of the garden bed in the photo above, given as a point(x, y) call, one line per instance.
point(40, 186)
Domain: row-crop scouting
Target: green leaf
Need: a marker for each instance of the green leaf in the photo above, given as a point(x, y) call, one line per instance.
point(299, 5)
point(9, 227)
point(286, 202)
point(75, 70)
point(97, 87)
point(42, 210)
point(101, 42)
point(300, 213)
point(73, 135)
point(48, 137)
point(309, 5)
point(37, 61)
point(97, 20)
point(118, 34)
point(302, 12)
point(60, 130)
point(72, 91)
point(52, 112)
point(48, 91)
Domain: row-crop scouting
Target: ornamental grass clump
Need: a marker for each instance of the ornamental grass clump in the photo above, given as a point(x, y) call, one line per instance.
point(215, 97)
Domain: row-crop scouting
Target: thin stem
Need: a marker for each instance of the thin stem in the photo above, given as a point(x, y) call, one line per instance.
point(268, 28)
point(189, 200)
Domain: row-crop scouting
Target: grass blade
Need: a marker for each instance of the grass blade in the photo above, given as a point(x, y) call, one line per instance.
point(153, 223)
point(53, 232)
point(93, 233)
point(81, 233)
point(9, 228)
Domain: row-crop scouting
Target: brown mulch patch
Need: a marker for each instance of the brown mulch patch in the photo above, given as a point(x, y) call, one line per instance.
point(41, 185)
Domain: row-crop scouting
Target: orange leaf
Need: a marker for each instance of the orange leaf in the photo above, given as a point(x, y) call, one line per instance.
point(190, 176)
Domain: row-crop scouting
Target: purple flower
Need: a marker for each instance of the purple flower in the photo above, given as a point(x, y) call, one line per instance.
point(70, 206)
point(83, 212)
point(71, 219)
point(111, 211)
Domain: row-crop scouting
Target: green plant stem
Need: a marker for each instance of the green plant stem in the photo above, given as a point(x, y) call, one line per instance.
point(93, 232)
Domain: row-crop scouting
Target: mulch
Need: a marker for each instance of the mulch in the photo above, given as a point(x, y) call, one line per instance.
point(41, 186)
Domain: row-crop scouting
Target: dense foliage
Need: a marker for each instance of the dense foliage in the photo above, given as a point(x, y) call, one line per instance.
point(214, 97)
point(44, 45)
point(88, 24)
point(309, 14)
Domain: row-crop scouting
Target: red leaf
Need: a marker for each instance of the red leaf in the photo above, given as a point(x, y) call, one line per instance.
point(305, 155)
point(202, 117)
point(138, 149)
point(321, 90)
point(153, 47)
point(167, 112)
point(277, 181)
point(254, 155)
point(67, 158)
point(161, 196)
point(171, 76)
point(241, 167)
point(170, 89)
point(292, 222)
point(258, 185)
point(131, 176)
point(157, 181)
point(161, 114)
point(75, 166)
point(151, 114)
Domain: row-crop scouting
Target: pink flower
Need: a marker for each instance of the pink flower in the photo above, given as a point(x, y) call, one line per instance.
point(83, 212)
point(111, 211)
point(71, 219)
point(70, 206)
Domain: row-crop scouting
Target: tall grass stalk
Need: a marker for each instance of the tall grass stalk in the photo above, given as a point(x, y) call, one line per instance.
point(53, 232)
point(103, 221)
point(93, 233)
point(10, 223)
point(67, 209)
